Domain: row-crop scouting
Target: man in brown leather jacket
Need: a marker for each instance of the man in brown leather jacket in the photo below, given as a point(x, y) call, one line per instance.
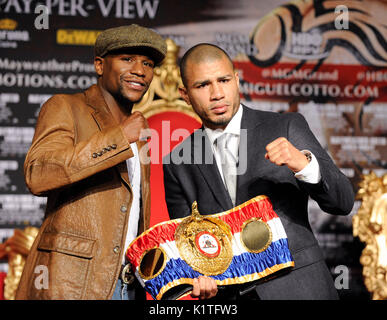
point(82, 149)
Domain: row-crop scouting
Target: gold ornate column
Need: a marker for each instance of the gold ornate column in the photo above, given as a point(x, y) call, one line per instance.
point(370, 225)
point(16, 249)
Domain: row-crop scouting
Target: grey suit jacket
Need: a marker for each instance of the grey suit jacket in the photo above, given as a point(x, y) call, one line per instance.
point(197, 178)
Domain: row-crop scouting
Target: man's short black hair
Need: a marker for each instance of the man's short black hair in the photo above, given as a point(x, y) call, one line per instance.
point(199, 53)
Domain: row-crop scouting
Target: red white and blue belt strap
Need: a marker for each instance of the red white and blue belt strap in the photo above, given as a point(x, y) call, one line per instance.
point(244, 244)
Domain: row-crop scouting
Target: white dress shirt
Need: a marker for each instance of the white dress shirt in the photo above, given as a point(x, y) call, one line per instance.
point(310, 174)
point(233, 128)
point(134, 172)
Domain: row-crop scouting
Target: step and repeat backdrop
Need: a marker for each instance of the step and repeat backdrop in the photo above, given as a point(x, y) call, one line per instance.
point(324, 59)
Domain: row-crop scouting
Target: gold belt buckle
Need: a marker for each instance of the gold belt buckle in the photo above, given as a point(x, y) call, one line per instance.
point(204, 242)
point(127, 276)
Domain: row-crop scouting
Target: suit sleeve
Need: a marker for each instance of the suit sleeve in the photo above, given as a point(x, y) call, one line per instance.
point(334, 193)
point(55, 159)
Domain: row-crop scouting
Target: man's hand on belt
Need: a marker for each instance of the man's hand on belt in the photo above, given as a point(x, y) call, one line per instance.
point(204, 288)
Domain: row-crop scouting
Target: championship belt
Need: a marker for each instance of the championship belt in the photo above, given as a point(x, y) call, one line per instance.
point(244, 244)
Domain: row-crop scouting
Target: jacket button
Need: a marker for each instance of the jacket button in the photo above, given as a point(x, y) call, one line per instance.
point(124, 208)
point(99, 153)
point(113, 146)
point(94, 155)
point(116, 249)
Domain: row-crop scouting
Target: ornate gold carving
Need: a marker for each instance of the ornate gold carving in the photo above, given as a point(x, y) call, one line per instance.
point(194, 233)
point(256, 235)
point(16, 249)
point(163, 94)
point(370, 225)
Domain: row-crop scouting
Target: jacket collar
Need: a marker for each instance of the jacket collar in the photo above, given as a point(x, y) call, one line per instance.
point(249, 118)
point(249, 146)
point(101, 113)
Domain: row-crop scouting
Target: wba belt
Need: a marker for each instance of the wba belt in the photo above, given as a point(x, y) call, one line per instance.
point(241, 245)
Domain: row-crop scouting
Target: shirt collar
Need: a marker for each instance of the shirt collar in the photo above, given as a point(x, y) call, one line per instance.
point(233, 127)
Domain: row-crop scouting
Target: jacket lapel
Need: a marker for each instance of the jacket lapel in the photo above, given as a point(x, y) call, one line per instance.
point(101, 112)
point(104, 119)
point(203, 157)
point(248, 147)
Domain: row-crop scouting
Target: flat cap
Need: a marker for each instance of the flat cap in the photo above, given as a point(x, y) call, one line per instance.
point(140, 39)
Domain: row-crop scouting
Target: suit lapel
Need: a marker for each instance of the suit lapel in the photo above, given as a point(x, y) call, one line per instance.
point(248, 147)
point(203, 157)
point(104, 119)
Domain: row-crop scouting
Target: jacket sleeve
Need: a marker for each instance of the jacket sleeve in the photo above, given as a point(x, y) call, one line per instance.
point(55, 159)
point(334, 193)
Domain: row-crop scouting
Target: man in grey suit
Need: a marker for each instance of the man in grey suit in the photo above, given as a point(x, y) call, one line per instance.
point(274, 154)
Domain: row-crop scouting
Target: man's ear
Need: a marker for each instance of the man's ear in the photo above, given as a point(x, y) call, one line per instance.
point(98, 65)
point(184, 95)
point(237, 77)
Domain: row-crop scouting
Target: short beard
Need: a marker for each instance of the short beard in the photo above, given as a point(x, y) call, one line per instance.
point(218, 123)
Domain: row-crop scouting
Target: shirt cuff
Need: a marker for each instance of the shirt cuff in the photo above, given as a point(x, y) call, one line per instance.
point(311, 173)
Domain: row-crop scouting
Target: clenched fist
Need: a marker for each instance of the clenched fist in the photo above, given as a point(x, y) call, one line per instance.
point(282, 152)
point(135, 127)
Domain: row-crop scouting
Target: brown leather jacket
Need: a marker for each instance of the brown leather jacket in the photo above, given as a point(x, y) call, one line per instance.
point(77, 159)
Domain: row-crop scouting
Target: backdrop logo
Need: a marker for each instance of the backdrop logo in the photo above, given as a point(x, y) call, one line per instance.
point(127, 9)
point(234, 44)
point(77, 37)
point(306, 45)
point(8, 24)
point(10, 38)
point(312, 30)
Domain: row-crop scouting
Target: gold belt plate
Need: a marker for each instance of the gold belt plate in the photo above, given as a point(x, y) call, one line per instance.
point(204, 243)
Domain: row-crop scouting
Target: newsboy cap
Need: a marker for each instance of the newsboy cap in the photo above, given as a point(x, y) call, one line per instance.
point(139, 39)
